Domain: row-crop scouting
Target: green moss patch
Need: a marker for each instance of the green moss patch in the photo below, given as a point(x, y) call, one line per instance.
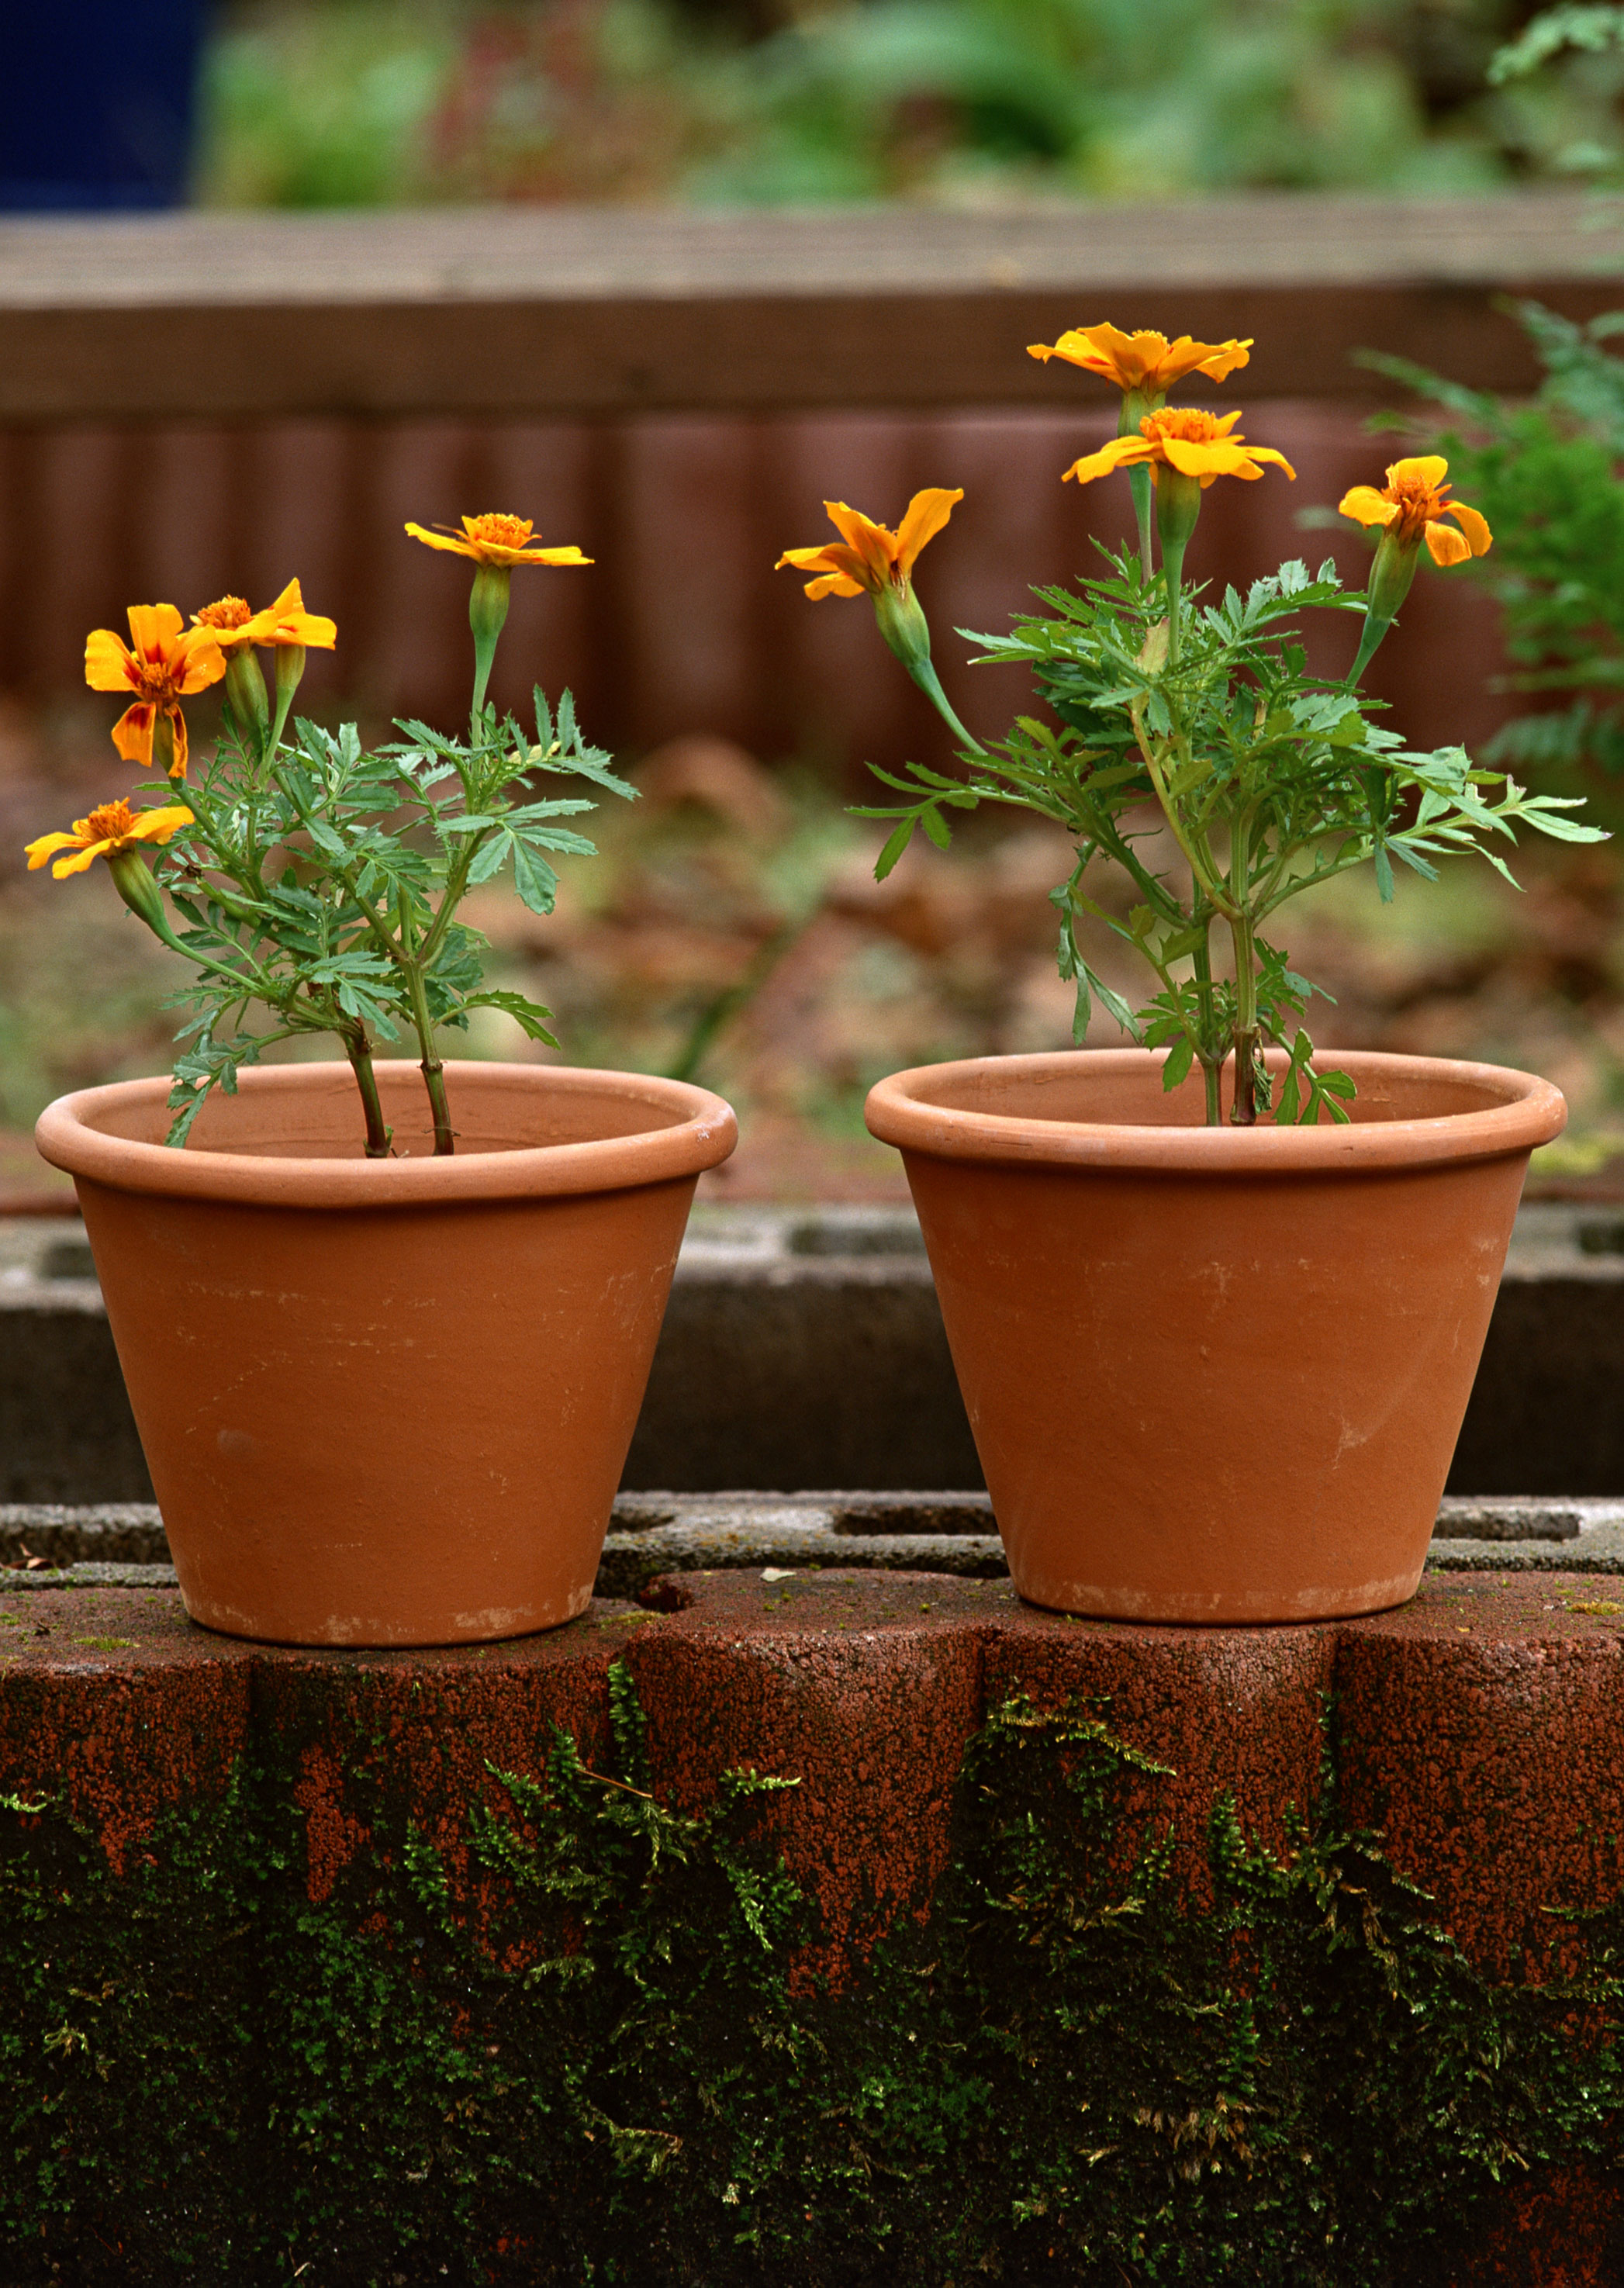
point(587, 2060)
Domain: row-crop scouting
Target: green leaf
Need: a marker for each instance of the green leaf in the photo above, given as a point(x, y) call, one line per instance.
point(1111, 1000)
point(896, 843)
point(534, 879)
point(489, 859)
point(531, 1014)
point(1177, 1064)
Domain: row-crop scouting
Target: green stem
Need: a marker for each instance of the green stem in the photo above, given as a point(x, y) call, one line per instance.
point(924, 676)
point(1370, 637)
point(487, 609)
point(451, 898)
point(1244, 1112)
point(1173, 570)
point(1144, 509)
point(1203, 875)
point(1212, 1067)
point(1135, 404)
point(359, 1050)
point(433, 1071)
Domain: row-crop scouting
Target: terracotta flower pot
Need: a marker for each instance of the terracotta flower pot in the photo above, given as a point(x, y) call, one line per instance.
point(1214, 1375)
point(388, 1402)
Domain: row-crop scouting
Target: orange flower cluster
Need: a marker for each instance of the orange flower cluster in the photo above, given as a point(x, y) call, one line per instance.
point(110, 828)
point(1181, 438)
point(233, 626)
point(870, 556)
point(165, 661)
point(1143, 364)
point(1410, 505)
point(494, 539)
point(1191, 448)
point(162, 663)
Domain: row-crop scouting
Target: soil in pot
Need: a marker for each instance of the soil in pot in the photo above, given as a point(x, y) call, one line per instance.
point(388, 1402)
point(1214, 1374)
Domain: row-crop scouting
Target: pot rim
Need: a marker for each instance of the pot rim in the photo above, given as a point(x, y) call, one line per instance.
point(1531, 1111)
point(704, 1134)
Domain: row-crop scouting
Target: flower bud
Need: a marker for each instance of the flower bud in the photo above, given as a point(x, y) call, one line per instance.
point(245, 691)
point(901, 621)
point(1391, 573)
point(488, 611)
point(132, 880)
point(1178, 503)
point(289, 673)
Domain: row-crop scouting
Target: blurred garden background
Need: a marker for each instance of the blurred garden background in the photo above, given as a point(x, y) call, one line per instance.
point(358, 102)
point(731, 931)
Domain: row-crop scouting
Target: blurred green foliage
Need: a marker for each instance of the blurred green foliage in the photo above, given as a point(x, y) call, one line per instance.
point(360, 102)
point(1547, 475)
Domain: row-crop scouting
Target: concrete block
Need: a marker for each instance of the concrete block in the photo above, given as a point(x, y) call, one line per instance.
point(805, 1348)
point(124, 1544)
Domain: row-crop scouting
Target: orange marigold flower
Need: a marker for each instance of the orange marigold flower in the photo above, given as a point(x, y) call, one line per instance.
point(162, 663)
point(494, 539)
point(1410, 505)
point(1196, 444)
point(870, 556)
point(1147, 363)
point(110, 828)
point(233, 625)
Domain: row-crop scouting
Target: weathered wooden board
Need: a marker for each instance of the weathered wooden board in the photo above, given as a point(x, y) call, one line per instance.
point(553, 312)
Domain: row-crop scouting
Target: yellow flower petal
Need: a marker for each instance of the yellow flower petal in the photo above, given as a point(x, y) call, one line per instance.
point(153, 630)
point(1121, 453)
point(81, 863)
point(1145, 362)
point(868, 555)
point(1410, 505)
point(160, 825)
point(109, 663)
point(1365, 505)
point(1446, 545)
point(834, 583)
point(452, 543)
point(925, 515)
point(1476, 527)
point(132, 733)
point(870, 543)
point(202, 663)
point(1426, 470)
point(45, 846)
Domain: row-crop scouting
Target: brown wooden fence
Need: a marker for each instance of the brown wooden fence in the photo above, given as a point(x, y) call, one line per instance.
point(200, 404)
point(681, 625)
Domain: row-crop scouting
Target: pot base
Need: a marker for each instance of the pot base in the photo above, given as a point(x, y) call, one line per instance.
point(1215, 1375)
point(388, 1402)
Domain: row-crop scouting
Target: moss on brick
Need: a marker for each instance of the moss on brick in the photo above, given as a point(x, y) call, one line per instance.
point(580, 2053)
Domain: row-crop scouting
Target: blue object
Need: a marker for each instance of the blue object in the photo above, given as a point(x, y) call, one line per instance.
point(97, 102)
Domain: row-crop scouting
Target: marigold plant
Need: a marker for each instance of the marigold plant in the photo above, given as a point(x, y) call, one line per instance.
point(1165, 705)
point(306, 877)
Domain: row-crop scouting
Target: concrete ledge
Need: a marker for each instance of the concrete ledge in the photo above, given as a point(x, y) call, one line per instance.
point(47, 1544)
point(804, 1347)
point(333, 1794)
